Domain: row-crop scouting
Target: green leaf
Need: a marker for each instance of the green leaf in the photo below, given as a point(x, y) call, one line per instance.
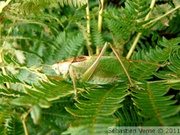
point(73, 2)
point(174, 63)
point(70, 45)
point(94, 113)
point(52, 90)
point(9, 78)
point(30, 101)
point(36, 113)
point(24, 101)
point(154, 104)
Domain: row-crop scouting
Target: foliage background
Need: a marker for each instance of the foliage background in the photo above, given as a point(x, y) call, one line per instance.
point(37, 33)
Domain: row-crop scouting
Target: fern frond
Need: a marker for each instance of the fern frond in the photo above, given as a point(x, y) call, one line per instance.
point(128, 115)
point(69, 45)
point(13, 125)
point(73, 2)
point(47, 31)
point(97, 37)
point(13, 66)
point(153, 59)
point(52, 90)
point(9, 78)
point(154, 104)
point(4, 113)
point(159, 10)
point(172, 27)
point(30, 101)
point(123, 23)
point(10, 121)
point(117, 25)
point(55, 119)
point(94, 112)
point(37, 6)
point(174, 63)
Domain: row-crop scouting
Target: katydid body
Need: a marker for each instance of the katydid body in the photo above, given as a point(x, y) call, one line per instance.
point(92, 69)
point(107, 71)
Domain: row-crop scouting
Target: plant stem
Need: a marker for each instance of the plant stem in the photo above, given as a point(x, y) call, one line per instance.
point(101, 2)
point(140, 33)
point(4, 4)
point(156, 19)
point(134, 45)
point(1, 58)
point(88, 43)
point(24, 116)
point(168, 81)
point(100, 15)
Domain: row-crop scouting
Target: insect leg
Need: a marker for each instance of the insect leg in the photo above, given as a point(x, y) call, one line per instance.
point(71, 73)
point(124, 68)
point(91, 69)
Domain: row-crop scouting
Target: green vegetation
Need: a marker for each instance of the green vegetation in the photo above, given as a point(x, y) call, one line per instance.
point(35, 34)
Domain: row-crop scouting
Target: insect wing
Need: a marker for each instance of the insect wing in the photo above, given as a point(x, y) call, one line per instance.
point(108, 70)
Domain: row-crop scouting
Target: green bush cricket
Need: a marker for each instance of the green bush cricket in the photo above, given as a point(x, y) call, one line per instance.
point(93, 69)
